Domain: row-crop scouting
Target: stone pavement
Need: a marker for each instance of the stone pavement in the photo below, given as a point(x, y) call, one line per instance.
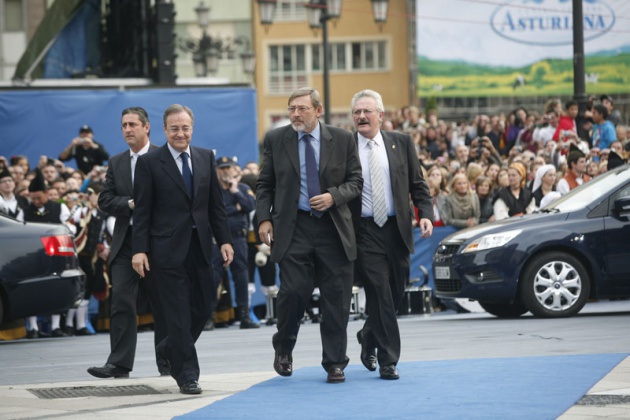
point(232, 360)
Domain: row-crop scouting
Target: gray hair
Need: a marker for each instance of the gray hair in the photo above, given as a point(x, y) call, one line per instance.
point(316, 100)
point(176, 108)
point(368, 93)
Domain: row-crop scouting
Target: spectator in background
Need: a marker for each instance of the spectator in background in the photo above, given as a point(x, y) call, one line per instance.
point(43, 210)
point(239, 201)
point(517, 121)
point(473, 171)
point(515, 199)
point(576, 175)
point(502, 179)
point(87, 151)
point(603, 130)
point(614, 116)
point(566, 131)
point(546, 129)
point(10, 204)
point(544, 182)
point(50, 172)
point(483, 189)
point(22, 161)
point(492, 171)
point(461, 208)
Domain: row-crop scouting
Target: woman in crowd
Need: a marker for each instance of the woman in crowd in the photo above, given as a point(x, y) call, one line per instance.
point(544, 182)
point(461, 208)
point(437, 173)
point(515, 199)
point(483, 188)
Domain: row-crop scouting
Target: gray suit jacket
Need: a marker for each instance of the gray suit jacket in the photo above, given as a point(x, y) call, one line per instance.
point(278, 187)
point(114, 199)
point(407, 182)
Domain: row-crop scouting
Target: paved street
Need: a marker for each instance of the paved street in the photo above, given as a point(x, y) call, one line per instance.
point(233, 359)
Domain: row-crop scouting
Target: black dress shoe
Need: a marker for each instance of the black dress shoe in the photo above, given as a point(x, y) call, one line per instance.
point(368, 356)
point(283, 364)
point(58, 332)
point(190, 387)
point(83, 331)
point(164, 367)
point(32, 334)
point(389, 372)
point(109, 371)
point(335, 376)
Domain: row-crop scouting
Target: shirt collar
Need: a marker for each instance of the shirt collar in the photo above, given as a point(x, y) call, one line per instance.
point(142, 151)
point(176, 153)
point(316, 133)
point(363, 141)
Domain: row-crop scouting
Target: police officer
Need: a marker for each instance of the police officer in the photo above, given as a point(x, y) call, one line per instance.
point(239, 201)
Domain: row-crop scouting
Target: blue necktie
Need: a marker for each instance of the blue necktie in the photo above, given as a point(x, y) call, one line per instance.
point(312, 177)
point(187, 174)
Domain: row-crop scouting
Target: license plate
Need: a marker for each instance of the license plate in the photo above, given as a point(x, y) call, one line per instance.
point(442, 272)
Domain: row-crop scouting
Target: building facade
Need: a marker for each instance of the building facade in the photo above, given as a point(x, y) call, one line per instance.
point(364, 55)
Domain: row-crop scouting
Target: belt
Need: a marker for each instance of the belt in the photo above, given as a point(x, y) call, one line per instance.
point(310, 214)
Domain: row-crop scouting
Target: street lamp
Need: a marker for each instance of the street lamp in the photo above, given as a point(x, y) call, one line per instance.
point(207, 51)
point(319, 12)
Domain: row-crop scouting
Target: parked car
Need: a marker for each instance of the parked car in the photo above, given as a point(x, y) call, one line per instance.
point(549, 262)
point(39, 269)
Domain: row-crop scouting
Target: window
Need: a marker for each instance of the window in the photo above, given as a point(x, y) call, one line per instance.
point(287, 70)
point(288, 63)
point(13, 16)
point(369, 55)
point(336, 58)
point(290, 10)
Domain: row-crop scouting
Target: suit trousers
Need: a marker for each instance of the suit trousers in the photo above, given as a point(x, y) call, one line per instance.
point(315, 258)
point(123, 317)
point(383, 265)
point(188, 296)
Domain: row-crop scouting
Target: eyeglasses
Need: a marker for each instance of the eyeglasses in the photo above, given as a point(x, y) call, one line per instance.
point(366, 112)
point(185, 129)
point(299, 109)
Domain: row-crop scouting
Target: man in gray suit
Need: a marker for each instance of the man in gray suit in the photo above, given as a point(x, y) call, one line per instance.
point(309, 173)
point(116, 200)
point(382, 216)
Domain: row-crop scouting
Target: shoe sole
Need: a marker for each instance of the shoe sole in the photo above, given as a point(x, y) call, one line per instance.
point(191, 392)
point(335, 381)
point(102, 375)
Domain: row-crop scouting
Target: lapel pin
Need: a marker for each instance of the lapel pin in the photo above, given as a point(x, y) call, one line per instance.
point(393, 146)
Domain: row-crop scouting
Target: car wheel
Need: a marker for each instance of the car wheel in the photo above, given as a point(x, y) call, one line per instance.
point(555, 285)
point(504, 310)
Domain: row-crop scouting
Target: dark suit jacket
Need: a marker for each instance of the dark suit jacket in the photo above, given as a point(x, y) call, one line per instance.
point(165, 214)
point(114, 199)
point(407, 181)
point(278, 186)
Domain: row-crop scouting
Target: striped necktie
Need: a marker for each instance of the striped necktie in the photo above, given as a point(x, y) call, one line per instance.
point(379, 208)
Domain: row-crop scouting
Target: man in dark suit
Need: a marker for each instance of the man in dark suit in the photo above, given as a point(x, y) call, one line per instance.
point(178, 208)
point(116, 199)
point(306, 221)
point(382, 217)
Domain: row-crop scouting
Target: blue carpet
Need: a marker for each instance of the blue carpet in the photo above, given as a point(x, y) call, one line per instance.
point(526, 387)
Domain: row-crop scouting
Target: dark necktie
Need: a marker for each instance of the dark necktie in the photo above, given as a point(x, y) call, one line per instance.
point(312, 177)
point(187, 174)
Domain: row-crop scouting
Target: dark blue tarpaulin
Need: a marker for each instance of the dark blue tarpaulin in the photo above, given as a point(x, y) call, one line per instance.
point(43, 122)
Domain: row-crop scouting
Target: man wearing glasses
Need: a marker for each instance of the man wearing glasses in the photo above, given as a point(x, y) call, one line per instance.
point(310, 171)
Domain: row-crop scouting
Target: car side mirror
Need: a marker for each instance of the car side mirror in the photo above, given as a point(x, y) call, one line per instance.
point(622, 206)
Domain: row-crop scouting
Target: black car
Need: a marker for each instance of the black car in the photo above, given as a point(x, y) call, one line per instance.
point(549, 262)
point(39, 269)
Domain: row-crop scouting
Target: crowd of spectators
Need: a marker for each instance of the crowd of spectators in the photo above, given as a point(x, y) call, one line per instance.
point(488, 168)
point(502, 165)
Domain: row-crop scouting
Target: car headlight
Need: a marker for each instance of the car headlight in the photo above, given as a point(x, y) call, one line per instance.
point(490, 241)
